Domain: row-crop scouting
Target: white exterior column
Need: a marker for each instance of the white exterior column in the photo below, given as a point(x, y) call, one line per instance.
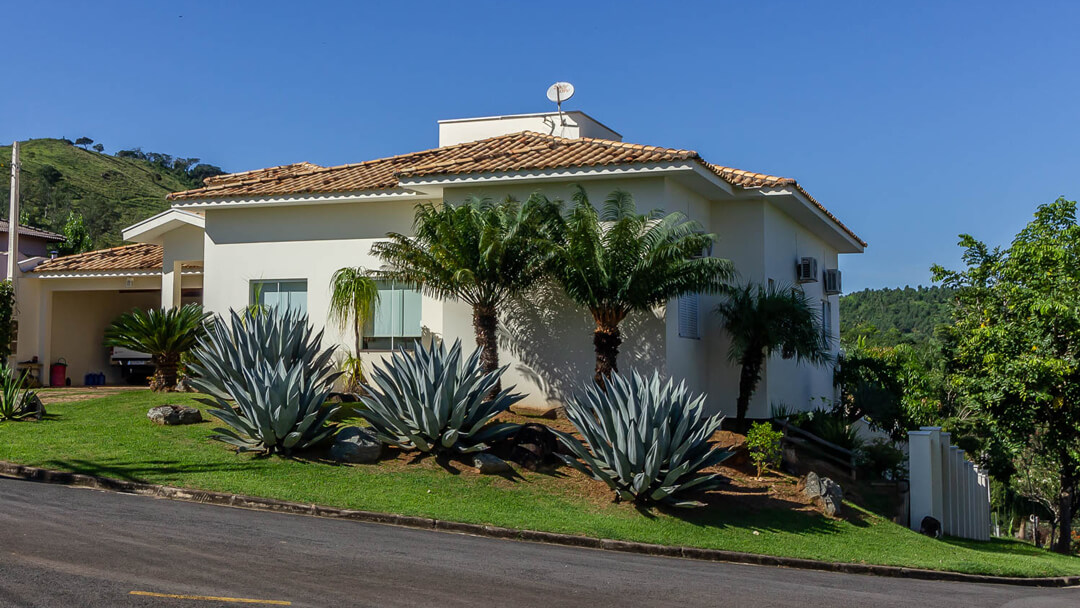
point(937, 488)
point(45, 334)
point(920, 476)
point(948, 496)
point(170, 285)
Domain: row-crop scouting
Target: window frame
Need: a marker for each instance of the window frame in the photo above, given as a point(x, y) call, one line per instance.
point(252, 283)
point(395, 342)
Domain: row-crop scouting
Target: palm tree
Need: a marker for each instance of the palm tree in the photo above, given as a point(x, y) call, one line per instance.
point(165, 335)
point(480, 252)
point(763, 321)
point(353, 296)
point(615, 261)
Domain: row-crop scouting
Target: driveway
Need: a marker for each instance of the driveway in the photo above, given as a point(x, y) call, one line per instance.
point(63, 546)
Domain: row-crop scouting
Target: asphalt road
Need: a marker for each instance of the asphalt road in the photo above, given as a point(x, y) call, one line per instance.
point(64, 546)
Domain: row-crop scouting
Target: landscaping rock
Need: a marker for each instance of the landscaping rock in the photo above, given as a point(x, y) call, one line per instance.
point(534, 445)
point(35, 408)
point(826, 493)
point(490, 464)
point(174, 414)
point(535, 410)
point(356, 445)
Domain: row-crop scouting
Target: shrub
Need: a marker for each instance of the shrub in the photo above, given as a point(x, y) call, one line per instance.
point(763, 443)
point(428, 399)
point(648, 439)
point(272, 366)
point(7, 318)
point(15, 401)
point(882, 460)
point(165, 335)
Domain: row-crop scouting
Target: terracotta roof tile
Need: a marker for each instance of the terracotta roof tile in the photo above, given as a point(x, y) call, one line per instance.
point(28, 231)
point(141, 256)
point(524, 151)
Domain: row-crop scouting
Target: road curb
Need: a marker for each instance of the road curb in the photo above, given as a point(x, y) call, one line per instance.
point(28, 473)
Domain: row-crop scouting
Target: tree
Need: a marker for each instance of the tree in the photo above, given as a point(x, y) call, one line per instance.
point(76, 237)
point(99, 148)
point(615, 261)
point(479, 252)
point(353, 296)
point(84, 142)
point(1017, 356)
point(165, 335)
point(763, 321)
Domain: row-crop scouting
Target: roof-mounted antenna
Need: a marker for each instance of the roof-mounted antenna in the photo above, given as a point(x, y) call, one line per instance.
point(560, 92)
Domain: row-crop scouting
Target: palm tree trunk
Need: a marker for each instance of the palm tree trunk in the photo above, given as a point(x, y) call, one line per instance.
point(606, 341)
point(485, 324)
point(164, 379)
point(749, 377)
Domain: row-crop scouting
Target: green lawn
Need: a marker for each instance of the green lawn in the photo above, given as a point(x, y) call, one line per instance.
point(111, 436)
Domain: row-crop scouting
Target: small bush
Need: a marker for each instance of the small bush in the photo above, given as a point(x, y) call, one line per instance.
point(15, 401)
point(882, 460)
point(7, 318)
point(648, 439)
point(429, 399)
point(763, 443)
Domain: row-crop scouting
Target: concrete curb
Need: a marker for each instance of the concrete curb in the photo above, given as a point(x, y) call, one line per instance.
point(27, 473)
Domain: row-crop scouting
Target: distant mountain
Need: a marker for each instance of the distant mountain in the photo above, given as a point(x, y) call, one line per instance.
point(110, 192)
point(886, 317)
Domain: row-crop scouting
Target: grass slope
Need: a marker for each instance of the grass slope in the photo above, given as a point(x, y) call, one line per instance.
point(109, 192)
point(111, 436)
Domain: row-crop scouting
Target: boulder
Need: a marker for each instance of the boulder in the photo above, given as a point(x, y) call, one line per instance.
point(356, 445)
point(174, 414)
point(490, 464)
point(534, 445)
point(826, 493)
point(35, 406)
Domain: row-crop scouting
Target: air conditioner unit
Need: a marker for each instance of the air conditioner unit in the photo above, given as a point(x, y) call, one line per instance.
point(832, 281)
point(806, 270)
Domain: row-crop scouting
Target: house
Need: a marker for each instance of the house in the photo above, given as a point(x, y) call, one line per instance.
point(276, 235)
point(34, 244)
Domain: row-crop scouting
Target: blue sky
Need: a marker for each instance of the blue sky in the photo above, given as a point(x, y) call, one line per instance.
point(911, 121)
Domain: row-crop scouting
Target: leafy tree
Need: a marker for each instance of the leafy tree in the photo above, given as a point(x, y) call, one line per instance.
point(202, 171)
point(616, 261)
point(1017, 354)
point(99, 148)
point(353, 296)
point(480, 252)
point(84, 142)
point(763, 321)
point(76, 238)
point(165, 335)
point(51, 175)
point(895, 389)
point(763, 443)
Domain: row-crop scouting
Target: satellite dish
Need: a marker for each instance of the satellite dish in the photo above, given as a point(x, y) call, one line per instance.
point(560, 92)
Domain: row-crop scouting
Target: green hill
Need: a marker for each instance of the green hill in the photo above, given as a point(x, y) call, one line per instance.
point(887, 317)
point(109, 192)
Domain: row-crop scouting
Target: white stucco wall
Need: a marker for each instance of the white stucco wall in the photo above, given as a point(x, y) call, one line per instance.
point(572, 124)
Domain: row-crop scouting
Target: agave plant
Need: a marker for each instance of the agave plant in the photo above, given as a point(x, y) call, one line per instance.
point(271, 365)
point(648, 439)
point(16, 402)
point(429, 399)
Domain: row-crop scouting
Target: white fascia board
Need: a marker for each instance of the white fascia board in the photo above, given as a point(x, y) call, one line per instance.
point(367, 196)
point(99, 274)
point(853, 245)
point(597, 172)
point(148, 230)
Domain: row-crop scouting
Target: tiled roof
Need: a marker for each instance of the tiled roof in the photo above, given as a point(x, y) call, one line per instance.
point(141, 256)
point(524, 151)
point(28, 231)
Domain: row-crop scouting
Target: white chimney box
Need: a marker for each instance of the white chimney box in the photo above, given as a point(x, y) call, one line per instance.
point(571, 125)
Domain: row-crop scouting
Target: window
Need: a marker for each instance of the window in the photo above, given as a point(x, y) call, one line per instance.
point(292, 295)
point(826, 320)
point(688, 316)
point(397, 317)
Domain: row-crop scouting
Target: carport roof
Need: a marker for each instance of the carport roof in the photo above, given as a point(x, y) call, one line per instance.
point(141, 256)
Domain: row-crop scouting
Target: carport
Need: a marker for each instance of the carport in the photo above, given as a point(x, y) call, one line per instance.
point(65, 304)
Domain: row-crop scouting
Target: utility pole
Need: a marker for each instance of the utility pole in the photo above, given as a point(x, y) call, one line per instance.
point(13, 219)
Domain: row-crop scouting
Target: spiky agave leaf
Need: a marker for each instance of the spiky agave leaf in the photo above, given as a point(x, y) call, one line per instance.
point(267, 378)
point(646, 438)
point(430, 399)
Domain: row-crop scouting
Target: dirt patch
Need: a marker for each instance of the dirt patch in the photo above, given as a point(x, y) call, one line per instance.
point(82, 393)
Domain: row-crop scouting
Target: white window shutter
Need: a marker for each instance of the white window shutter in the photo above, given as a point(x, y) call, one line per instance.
point(688, 316)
